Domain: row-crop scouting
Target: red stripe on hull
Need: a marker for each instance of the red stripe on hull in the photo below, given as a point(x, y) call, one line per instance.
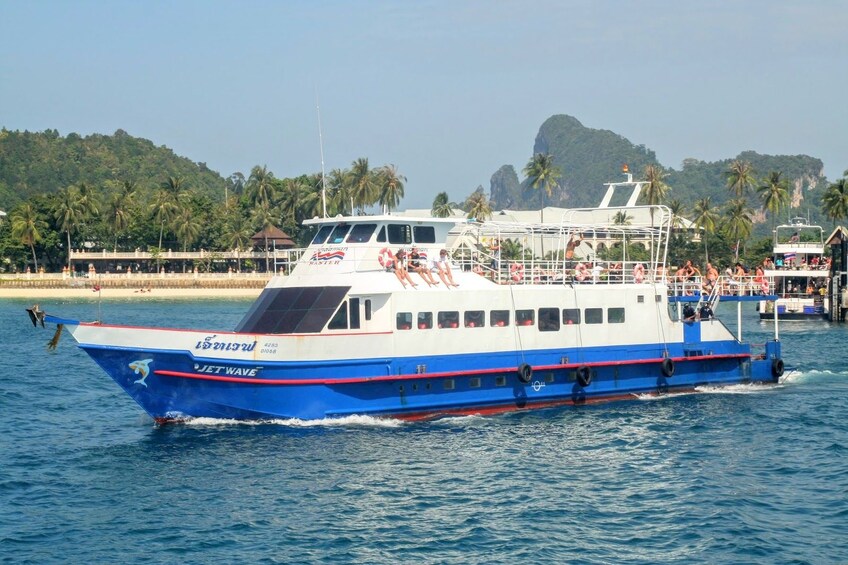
point(445, 374)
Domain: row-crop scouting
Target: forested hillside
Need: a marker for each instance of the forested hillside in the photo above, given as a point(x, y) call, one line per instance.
point(588, 158)
point(46, 162)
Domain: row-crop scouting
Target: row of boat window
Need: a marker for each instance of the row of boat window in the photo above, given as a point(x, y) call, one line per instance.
point(473, 382)
point(549, 319)
point(400, 234)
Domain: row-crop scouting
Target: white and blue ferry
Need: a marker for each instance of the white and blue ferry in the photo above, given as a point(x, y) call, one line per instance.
point(342, 335)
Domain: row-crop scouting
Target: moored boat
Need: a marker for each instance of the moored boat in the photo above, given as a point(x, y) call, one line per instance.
point(797, 273)
point(531, 321)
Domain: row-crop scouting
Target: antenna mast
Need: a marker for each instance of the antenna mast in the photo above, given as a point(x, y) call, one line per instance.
point(323, 175)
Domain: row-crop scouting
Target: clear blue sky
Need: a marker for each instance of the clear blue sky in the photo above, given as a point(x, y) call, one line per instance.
point(448, 91)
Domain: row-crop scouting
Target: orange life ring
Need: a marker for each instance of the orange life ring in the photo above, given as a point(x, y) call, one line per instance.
point(386, 258)
point(517, 271)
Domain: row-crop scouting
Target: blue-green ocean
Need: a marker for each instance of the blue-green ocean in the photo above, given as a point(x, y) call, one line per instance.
point(749, 474)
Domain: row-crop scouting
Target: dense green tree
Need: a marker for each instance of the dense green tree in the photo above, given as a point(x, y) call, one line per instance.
point(478, 206)
point(656, 189)
point(237, 234)
point(363, 184)
point(543, 175)
point(835, 200)
point(442, 206)
point(69, 212)
point(774, 192)
point(705, 216)
point(740, 177)
point(164, 209)
point(27, 227)
point(260, 187)
point(390, 184)
point(119, 209)
point(738, 222)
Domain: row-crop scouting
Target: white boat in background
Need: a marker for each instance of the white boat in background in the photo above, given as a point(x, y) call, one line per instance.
point(797, 273)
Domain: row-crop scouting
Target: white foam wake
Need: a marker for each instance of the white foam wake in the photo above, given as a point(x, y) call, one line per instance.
point(351, 421)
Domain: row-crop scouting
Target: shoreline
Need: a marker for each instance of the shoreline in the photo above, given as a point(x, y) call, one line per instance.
point(109, 293)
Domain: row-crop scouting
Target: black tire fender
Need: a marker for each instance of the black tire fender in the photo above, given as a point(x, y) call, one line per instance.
point(667, 367)
point(525, 373)
point(777, 368)
point(584, 376)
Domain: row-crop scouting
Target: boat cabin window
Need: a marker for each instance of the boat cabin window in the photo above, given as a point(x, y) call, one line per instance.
point(361, 233)
point(338, 235)
point(424, 234)
point(381, 235)
point(339, 321)
point(570, 316)
point(293, 310)
point(615, 315)
point(367, 309)
point(525, 317)
point(425, 320)
point(354, 313)
point(594, 315)
point(448, 319)
point(548, 319)
point(400, 233)
point(404, 320)
point(475, 319)
point(322, 235)
point(499, 318)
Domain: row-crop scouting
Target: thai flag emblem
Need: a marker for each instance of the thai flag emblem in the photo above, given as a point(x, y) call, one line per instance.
point(789, 257)
point(327, 256)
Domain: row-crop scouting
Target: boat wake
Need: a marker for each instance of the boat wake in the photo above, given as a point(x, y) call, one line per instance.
point(347, 421)
point(748, 388)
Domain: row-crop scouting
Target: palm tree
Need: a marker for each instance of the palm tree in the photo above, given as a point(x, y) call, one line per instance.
point(677, 210)
point(621, 218)
point(186, 227)
point(479, 207)
point(835, 200)
point(740, 177)
point(442, 206)
point(706, 218)
point(265, 216)
point(260, 186)
point(738, 222)
point(237, 234)
point(119, 207)
point(543, 174)
point(391, 187)
point(362, 184)
point(26, 226)
point(291, 193)
point(163, 208)
point(68, 213)
point(341, 199)
point(775, 195)
point(657, 189)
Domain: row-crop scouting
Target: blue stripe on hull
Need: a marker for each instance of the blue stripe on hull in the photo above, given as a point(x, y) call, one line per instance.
point(475, 381)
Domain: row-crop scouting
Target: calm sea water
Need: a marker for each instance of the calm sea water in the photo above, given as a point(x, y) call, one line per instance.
point(740, 475)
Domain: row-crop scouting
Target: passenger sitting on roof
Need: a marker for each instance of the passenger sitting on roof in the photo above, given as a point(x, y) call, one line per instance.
point(401, 271)
point(418, 264)
point(442, 263)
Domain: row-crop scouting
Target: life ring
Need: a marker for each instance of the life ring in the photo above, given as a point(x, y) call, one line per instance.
point(777, 368)
point(525, 373)
point(638, 272)
point(584, 376)
point(386, 258)
point(667, 367)
point(516, 271)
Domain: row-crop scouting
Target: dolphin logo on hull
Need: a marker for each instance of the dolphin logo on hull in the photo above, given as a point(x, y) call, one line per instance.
point(141, 367)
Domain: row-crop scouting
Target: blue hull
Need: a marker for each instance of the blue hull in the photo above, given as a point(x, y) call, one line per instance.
point(180, 385)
